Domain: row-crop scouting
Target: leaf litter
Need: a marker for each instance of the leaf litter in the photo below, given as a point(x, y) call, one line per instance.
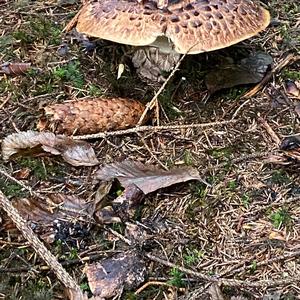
point(146, 177)
point(76, 153)
point(208, 223)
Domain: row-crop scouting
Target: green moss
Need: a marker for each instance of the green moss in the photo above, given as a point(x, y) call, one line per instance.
point(176, 277)
point(70, 73)
point(280, 218)
point(232, 185)
point(192, 256)
point(280, 177)
point(11, 189)
point(292, 75)
point(245, 200)
point(221, 153)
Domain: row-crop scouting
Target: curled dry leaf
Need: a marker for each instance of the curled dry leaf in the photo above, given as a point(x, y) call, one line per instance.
point(14, 68)
point(110, 276)
point(146, 178)
point(76, 153)
point(91, 115)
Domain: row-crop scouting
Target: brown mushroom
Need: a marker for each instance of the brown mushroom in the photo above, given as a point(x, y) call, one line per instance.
point(180, 26)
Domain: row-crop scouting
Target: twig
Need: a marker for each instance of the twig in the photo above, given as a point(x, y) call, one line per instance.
point(37, 245)
point(225, 281)
point(270, 131)
point(289, 59)
point(153, 101)
point(265, 262)
point(143, 287)
point(150, 128)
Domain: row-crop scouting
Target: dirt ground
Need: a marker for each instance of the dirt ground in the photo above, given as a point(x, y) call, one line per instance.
point(244, 226)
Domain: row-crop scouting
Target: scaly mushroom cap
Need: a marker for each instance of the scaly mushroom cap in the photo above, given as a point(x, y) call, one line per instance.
point(193, 26)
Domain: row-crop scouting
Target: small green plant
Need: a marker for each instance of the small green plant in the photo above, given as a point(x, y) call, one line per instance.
point(253, 267)
point(188, 158)
point(84, 286)
point(232, 185)
point(192, 257)
point(280, 177)
point(70, 73)
point(246, 200)
point(221, 153)
point(176, 278)
point(280, 218)
point(73, 253)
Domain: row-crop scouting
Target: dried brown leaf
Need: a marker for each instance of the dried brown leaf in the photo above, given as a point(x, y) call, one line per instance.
point(89, 116)
point(61, 217)
point(76, 153)
point(122, 271)
point(293, 88)
point(147, 178)
point(14, 68)
point(59, 206)
point(78, 295)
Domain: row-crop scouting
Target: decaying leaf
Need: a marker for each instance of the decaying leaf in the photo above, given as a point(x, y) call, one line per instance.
point(291, 147)
point(122, 271)
point(89, 116)
point(293, 88)
point(126, 204)
point(122, 208)
point(146, 178)
point(60, 212)
point(76, 153)
point(246, 71)
point(14, 68)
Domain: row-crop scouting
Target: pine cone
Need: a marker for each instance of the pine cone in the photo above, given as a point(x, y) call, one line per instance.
point(91, 115)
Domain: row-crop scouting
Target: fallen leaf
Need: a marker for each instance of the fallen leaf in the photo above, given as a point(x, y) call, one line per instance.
point(76, 153)
point(246, 71)
point(14, 68)
point(49, 218)
point(290, 146)
point(126, 204)
point(89, 116)
point(277, 235)
point(121, 271)
point(293, 88)
point(147, 178)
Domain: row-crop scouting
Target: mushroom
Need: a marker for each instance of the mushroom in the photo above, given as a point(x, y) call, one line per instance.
point(172, 27)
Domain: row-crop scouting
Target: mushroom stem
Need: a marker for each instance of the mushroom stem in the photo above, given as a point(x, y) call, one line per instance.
point(150, 62)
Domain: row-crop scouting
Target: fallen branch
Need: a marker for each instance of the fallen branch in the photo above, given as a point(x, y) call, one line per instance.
point(153, 101)
point(37, 245)
point(150, 128)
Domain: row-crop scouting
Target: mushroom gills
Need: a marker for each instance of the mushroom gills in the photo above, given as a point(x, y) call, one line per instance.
point(150, 62)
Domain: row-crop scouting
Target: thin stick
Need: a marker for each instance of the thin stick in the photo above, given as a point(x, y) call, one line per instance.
point(37, 245)
point(150, 128)
point(152, 103)
point(225, 281)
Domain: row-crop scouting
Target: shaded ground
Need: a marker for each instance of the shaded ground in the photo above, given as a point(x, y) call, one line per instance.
point(224, 229)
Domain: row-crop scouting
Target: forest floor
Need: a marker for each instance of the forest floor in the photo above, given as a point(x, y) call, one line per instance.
point(245, 225)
